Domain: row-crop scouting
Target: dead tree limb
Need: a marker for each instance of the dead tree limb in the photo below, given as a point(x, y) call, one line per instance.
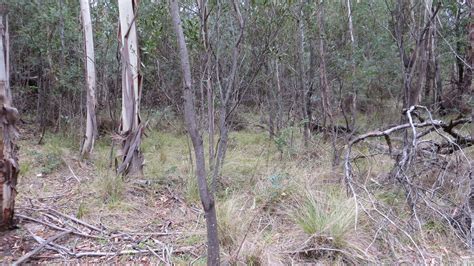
point(28, 255)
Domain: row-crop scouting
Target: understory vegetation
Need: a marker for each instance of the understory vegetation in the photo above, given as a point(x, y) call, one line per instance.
point(276, 204)
point(236, 132)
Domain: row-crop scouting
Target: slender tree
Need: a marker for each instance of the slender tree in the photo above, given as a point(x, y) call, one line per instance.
point(8, 132)
point(131, 128)
point(190, 117)
point(227, 93)
point(301, 74)
point(91, 122)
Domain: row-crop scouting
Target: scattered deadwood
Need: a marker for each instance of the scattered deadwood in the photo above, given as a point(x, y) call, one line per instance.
point(67, 224)
point(432, 169)
point(461, 141)
point(28, 255)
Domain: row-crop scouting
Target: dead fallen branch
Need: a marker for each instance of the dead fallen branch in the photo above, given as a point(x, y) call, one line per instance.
point(129, 252)
point(57, 227)
point(76, 220)
point(431, 153)
point(28, 255)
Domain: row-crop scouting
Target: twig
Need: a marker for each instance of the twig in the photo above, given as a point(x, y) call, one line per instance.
point(57, 227)
point(77, 221)
point(53, 246)
point(156, 254)
point(72, 172)
point(125, 252)
point(25, 257)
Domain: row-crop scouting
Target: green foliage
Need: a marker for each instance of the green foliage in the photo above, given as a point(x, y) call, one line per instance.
point(283, 141)
point(330, 215)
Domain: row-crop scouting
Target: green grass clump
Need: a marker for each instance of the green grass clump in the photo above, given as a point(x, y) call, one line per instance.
point(331, 215)
point(111, 189)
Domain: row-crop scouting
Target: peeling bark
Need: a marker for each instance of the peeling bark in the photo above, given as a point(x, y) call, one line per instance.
point(131, 128)
point(8, 134)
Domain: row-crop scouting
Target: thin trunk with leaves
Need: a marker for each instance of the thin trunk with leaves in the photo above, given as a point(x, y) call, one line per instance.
point(301, 75)
point(190, 117)
point(227, 95)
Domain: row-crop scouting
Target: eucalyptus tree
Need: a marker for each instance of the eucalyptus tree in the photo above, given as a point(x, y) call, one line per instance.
point(91, 121)
point(8, 132)
point(131, 129)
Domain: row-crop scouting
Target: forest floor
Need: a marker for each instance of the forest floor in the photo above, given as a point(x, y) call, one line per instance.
point(278, 203)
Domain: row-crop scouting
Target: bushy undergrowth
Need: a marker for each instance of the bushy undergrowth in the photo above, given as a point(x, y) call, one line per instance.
point(277, 201)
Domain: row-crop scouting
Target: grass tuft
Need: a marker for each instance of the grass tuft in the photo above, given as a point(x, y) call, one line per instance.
point(111, 189)
point(331, 215)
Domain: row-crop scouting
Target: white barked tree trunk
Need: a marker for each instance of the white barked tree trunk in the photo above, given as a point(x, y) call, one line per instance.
point(91, 121)
point(131, 159)
point(8, 133)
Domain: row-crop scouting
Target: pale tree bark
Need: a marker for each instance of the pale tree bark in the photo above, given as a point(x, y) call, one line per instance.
point(352, 108)
point(91, 122)
point(207, 198)
point(8, 133)
point(131, 128)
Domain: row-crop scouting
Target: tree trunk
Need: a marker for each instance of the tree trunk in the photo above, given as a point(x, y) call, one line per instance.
point(131, 127)
point(438, 82)
point(422, 48)
point(353, 108)
point(207, 198)
point(467, 80)
point(279, 99)
point(8, 133)
point(325, 97)
point(301, 75)
point(91, 122)
point(203, 15)
point(470, 61)
point(227, 97)
point(325, 90)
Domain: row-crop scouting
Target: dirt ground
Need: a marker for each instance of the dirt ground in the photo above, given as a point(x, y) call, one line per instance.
point(148, 225)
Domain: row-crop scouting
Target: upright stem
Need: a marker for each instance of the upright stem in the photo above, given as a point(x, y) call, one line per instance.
point(91, 124)
point(8, 134)
point(207, 199)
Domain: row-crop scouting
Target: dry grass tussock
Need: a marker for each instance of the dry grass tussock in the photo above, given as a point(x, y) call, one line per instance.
point(278, 203)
